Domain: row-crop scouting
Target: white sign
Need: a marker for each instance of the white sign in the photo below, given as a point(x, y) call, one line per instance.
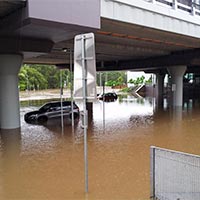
point(84, 51)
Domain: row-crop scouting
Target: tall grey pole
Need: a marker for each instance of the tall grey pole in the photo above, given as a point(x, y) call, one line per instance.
point(106, 78)
point(84, 83)
point(61, 99)
point(100, 81)
point(152, 171)
point(71, 88)
point(104, 106)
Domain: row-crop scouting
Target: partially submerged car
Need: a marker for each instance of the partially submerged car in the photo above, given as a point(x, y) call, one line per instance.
point(52, 110)
point(108, 97)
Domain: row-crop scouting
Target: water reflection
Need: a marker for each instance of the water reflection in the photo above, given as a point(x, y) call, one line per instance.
point(42, 162)
point(10, 160)
point(10, 142)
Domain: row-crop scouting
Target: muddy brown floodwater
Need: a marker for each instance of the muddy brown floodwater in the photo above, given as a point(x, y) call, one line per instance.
point(42, 162)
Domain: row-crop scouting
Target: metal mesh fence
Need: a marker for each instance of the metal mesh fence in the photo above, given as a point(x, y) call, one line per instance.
point(174, 175)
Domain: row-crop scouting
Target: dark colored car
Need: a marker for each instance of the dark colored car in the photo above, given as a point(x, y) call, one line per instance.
point(50, 111)
point(108, 97)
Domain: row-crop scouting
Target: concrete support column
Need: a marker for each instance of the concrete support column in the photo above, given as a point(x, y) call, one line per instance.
point(177, 84)
point(89, 107)
point(160, 88)
point(9, 95)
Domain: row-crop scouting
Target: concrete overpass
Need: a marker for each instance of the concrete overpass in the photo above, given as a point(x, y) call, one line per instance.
point(153, 35)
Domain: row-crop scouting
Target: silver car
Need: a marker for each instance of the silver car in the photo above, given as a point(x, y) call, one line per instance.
point(52, 110)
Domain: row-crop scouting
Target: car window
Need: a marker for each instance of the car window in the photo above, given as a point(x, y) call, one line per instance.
point(67, 103)
point(45, 107)
point(55, 106)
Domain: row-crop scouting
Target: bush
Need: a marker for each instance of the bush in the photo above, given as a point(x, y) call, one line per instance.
point(127, 89)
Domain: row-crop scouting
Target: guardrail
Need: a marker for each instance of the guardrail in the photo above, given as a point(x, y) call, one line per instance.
point(190, 6)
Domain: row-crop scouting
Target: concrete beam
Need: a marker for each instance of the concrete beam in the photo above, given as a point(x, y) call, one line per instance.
point(18, 44)
point(52, 20)
point(148, 14)
point(173, 59)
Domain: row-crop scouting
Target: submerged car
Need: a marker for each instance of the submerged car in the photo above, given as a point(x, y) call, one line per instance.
point(108, 97)
point(50, 111)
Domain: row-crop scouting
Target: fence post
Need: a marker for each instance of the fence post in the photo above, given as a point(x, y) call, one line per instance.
point(152, 172)
point(174, 4)
point(193, 9)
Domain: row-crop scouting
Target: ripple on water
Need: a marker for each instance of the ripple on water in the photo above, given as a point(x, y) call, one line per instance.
point(47, 163)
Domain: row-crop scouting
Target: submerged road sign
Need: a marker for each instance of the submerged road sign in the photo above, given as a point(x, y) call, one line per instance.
point(85, 82)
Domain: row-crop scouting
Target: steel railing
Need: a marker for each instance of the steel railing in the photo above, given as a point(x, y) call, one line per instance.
point(190, 6)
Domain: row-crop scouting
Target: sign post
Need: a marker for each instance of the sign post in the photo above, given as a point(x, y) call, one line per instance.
point(85, 83)
point(61, 101)
point(71, 90)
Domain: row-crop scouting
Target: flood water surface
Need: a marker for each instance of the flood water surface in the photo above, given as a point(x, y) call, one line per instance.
point(45, 162)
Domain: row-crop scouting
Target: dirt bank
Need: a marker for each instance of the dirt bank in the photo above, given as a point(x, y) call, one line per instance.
point(52, 93)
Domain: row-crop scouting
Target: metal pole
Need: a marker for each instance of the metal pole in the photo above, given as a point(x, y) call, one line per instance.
point(152, 172)
point(100, 82)
point(103, 105)
point(71, 88)
point(27, 82)
point(193, 8)
point(106, 78)
point(174, 4)
point(61, 99)
point(84, 82)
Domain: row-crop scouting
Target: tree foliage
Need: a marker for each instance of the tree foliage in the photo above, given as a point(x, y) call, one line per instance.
point(37, 77)
point(140, 80)
point(113, 78)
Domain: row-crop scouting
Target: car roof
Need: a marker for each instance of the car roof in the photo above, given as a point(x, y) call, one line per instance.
point(57, 103)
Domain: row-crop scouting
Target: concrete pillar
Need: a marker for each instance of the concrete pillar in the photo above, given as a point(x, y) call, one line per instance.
point(89, 107)
point(177, 84)
point(160, 88)
point(9, 95)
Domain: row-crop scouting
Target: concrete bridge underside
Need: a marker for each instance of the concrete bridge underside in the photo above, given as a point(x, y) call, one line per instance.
point(129, 34)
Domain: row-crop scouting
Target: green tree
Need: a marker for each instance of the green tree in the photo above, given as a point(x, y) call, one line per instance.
point(149, 81)
point(131, 81)
point(120, 80)
point(137, 81)
point(42, 77)
point(112, 76)
point(50, 73)
point(30, 78)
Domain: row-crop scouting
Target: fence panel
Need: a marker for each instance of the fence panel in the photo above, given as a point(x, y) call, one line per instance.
point(174, 175)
